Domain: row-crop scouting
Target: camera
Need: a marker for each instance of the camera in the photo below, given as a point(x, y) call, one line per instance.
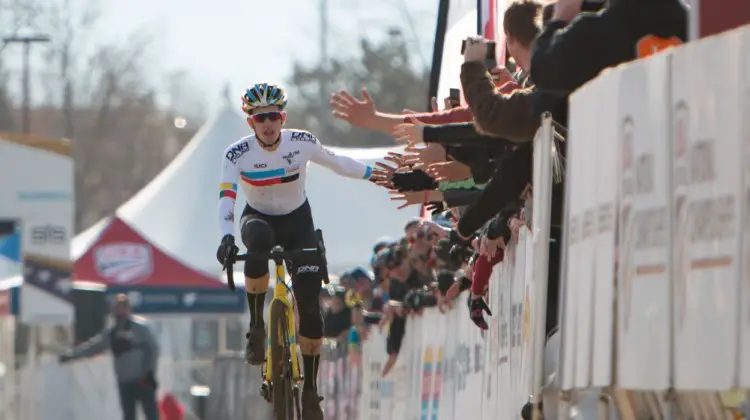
point(490, 54)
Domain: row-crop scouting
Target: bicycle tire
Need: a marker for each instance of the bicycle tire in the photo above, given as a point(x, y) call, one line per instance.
point(281, 363)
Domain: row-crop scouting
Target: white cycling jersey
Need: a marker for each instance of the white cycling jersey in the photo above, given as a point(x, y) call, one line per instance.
point(274, 181)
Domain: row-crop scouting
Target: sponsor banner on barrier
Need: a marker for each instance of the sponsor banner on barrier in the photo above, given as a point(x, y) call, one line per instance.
point(446, 369)
point(706, 193)
point(643, 350)
point(155, 300)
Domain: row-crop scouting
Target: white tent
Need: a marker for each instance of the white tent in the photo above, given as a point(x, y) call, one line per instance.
point(177, 210)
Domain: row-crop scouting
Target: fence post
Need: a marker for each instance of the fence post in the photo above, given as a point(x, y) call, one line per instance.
point(542, 199)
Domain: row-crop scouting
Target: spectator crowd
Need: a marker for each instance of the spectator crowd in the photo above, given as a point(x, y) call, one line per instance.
point(470, 165)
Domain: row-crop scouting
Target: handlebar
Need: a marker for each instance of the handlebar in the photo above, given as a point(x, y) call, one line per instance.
point(278, 255)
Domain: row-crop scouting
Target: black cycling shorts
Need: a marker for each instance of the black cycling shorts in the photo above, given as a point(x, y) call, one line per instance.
point(291, 231)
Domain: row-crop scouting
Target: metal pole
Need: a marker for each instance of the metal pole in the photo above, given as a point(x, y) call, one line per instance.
point(26, 88)
point(26, 40)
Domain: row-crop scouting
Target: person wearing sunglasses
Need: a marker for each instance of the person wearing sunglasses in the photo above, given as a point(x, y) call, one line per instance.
point(270, 167)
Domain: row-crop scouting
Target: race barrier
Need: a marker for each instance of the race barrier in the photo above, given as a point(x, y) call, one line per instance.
point(655, 297)
point(656, 290)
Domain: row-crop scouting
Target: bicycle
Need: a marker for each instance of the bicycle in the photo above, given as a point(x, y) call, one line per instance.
point(282, 376)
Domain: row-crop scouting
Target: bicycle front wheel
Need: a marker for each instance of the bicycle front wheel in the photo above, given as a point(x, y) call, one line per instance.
point(281, 362)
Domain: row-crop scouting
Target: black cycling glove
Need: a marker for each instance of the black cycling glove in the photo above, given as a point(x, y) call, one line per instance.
point(477, 307)
point(413, 181)
point(227, 246)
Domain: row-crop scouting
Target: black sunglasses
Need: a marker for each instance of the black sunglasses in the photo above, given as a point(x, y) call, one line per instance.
point(273, 116)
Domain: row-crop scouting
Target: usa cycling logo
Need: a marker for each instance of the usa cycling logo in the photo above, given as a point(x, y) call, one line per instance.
point(124, 262)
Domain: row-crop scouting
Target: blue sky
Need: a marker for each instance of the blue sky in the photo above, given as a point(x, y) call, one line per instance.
point(242, 42)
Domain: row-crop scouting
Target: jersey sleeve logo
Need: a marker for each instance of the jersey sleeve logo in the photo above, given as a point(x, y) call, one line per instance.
point(235, 153)
point(289, 157)
point(302, 136)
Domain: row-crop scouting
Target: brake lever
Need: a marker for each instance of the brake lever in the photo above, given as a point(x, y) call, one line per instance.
point(229, 259)
point(229, 266)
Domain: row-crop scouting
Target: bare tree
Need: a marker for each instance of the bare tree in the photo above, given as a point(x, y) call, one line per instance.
point(98, 95)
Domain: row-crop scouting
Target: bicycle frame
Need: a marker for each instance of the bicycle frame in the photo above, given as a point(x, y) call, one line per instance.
point(280, 294)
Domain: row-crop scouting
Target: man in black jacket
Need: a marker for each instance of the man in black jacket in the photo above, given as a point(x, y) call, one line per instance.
point(575, 47)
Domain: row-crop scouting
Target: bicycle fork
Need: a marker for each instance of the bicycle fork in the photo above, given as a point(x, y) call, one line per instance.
point(280, 294)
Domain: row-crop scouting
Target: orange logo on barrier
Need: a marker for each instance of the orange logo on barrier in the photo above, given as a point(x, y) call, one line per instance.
point(652, 44)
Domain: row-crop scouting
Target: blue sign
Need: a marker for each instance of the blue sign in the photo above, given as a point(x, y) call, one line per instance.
point(169, 300)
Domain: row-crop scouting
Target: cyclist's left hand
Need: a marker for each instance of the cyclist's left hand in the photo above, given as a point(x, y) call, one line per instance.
point(227, 246)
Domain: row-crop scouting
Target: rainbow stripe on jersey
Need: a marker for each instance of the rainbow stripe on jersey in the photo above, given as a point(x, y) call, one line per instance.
point(227, 189)
point(270, 177)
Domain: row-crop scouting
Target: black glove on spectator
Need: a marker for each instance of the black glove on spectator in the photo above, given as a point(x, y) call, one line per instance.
point(477, 307)
point(227, 246)
point(413, 181)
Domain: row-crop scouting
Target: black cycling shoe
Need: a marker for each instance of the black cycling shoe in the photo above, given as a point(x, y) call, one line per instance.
point(255, 352)
point(311, 405)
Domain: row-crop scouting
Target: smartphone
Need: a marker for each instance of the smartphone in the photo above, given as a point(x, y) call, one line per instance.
point(488, 55)
point(455, 97)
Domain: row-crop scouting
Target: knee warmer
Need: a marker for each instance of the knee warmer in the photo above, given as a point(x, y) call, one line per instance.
point(310, 318)
point(258, 236)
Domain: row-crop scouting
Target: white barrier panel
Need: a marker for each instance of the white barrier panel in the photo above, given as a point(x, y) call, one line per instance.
point(447, 369)
point(605, 173)
point(706, 180)
point(576, 200)
point(660, 138)
point(745, 312)
point(641, 135)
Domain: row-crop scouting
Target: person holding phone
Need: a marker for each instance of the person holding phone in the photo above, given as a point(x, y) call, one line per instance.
point(499, 114)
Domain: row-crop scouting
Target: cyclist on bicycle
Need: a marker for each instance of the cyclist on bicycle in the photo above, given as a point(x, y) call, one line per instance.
point(270, 166)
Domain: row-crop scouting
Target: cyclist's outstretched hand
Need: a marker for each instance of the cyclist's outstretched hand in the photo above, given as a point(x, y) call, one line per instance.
point(227, 246)
point(477, 308)
point(360, 113)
